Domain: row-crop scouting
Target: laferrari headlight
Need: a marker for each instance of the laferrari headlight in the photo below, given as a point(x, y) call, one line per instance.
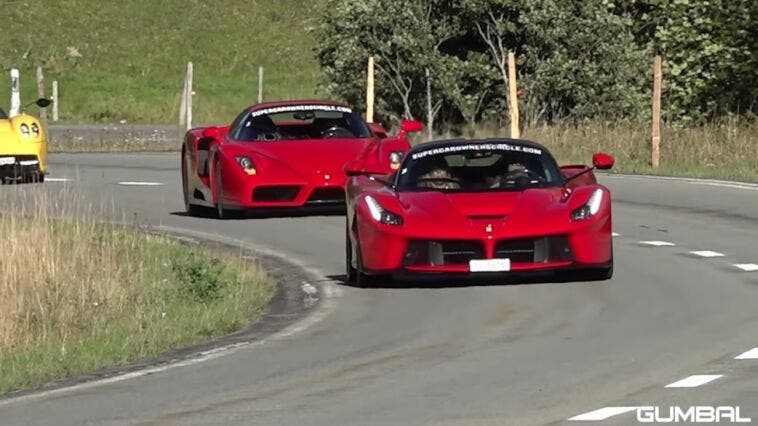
point(24, 130)
point(35, 130)
point(247, 165)
point(396, 157)
point(379, 214)
point(591, 208)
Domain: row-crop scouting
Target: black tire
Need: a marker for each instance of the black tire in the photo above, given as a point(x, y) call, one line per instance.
point(351, 273)
point(191, 209)
point(597, 274)
point(221, 211)
point(40, 178)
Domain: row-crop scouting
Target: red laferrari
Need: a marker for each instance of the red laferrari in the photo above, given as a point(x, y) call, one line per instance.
point(282, 154)
point(492, 207)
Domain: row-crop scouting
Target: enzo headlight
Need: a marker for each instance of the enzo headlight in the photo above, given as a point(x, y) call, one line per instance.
point(25, 130)
point(35, 130)
point(247, 164)
point(379, 214)
point(591, 208)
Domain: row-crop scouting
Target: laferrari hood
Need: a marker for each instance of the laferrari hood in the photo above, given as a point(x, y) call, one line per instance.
point(479, 205)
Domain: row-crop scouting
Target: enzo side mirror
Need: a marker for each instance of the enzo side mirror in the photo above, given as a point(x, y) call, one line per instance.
point(602, 161)
point(210, 133)
point(43, 103)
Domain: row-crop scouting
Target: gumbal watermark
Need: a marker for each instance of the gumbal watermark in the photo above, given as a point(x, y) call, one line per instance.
point(695, 414)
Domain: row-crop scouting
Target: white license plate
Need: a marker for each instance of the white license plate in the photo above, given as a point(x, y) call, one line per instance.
point(7, 160)
point(489, 265)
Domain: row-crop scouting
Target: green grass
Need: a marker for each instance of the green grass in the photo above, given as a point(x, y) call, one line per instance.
point(126, 60)
point(95, 296)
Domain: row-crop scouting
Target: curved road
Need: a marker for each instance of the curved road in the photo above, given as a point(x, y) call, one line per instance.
point(508, 354)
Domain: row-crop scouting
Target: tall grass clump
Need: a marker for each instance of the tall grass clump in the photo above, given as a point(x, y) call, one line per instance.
point(77, 295)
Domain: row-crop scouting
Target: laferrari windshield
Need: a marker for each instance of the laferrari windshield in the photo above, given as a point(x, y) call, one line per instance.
point(299, 122)
point(478, 168)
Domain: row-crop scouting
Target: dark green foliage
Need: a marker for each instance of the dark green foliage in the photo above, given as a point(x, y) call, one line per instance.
point(199, 278)
point(577, 60)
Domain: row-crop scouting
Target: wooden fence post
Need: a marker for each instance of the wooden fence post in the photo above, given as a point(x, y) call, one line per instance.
point(260, 84)
point(513, 96)
point(656, 131)
point(370, 90)
point(189, 94)
point(183, 105)
point(15, 93)
point(55, 100)
point(41, 93)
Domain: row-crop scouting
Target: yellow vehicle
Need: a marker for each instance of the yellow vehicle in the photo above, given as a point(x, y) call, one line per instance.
point(23, 147)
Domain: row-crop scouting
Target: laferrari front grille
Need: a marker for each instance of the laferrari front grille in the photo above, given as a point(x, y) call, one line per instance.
point(535, 250)
point(437, 253)
point(275, 193)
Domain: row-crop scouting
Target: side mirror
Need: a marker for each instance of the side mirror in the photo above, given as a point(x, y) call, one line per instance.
point(210, 133)
point(411, 126)
point(602, 161)
point(43, 103)
point(378, 130)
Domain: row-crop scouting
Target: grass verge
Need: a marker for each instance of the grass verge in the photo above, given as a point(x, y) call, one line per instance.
point(727, 150)
point(77, 296)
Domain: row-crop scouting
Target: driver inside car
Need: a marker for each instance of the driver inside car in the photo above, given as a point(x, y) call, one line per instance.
point(515, 174)
point(438, 175)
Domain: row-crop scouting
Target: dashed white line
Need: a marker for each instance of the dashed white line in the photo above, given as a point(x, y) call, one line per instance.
point(615, 234)
point(751, 354)
point(50, 179)
point(140, 183)
point(601, 414)
point(657, 243)
point(707, 253)
point(694, 381)
point(747, 267)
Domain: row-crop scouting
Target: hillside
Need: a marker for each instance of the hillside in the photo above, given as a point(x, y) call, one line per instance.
point(126, 60)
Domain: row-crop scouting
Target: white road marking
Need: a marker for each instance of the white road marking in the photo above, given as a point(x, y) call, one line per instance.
point(50, 179)
point(747, 267)
point(615, 234)
point(601, 414)
point(751, 354)
point(657, 243)
point(693, 181)
point(707, 253)
point(140, 183)
point(694, 381)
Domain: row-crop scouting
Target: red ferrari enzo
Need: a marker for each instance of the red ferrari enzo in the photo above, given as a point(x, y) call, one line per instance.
point(282, 154)
point(498, 206)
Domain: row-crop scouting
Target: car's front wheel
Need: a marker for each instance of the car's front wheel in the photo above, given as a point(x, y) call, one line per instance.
point(221, 211)
point(191, 209)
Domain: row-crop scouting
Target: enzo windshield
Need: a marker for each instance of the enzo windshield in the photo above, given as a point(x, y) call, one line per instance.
point(479, 168)
point(301, 122)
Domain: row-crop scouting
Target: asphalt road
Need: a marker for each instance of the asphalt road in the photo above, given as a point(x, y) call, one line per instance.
point(502, 354)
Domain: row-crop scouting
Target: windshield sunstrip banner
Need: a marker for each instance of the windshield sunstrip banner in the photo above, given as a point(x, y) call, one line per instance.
point(294, 108)
point(477, 147)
